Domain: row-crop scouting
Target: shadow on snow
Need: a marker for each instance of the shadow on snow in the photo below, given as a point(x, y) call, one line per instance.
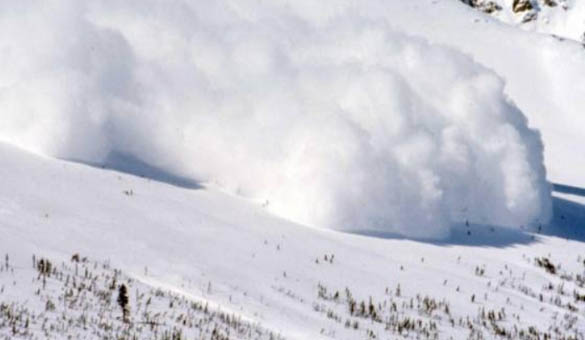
point(568, 222)
point(568, 189)
point(472, 235)
point(131, 165)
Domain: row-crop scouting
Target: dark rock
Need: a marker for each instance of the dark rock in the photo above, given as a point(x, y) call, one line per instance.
point(519, 6)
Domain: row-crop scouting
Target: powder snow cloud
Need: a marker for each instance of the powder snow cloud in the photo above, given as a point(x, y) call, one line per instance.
point(331, 116)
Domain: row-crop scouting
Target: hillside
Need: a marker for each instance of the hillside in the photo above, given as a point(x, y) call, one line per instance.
point(283, 169)
point(216, 255)
point(206, 247)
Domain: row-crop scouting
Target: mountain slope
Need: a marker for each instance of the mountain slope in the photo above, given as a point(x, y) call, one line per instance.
point(563, 18)
point(209, 246)
point(177, 141)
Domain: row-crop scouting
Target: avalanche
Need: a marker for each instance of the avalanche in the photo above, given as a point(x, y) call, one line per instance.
point(327, 112)
point(334, 169)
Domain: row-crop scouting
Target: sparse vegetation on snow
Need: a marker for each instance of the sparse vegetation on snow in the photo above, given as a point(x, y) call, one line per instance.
point(87, 299)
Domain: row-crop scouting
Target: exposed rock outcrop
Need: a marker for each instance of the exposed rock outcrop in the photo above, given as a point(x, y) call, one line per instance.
point(519, 6)
point(486, 6)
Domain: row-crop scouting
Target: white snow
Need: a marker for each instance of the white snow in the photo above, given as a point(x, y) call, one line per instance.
point(280, 162)
point(543, 74)
point(267, 270)
point(335, 119)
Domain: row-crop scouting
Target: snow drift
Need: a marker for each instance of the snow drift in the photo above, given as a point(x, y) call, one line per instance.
point(333, 118)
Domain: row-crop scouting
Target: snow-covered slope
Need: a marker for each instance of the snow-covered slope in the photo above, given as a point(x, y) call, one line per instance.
point(230, 120)
point(564, 18)
point(206, 246)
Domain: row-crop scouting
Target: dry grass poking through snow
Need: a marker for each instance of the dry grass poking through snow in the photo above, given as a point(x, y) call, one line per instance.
point(79, 300)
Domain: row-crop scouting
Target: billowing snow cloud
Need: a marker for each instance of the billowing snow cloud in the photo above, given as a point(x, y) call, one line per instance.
point(332, 117)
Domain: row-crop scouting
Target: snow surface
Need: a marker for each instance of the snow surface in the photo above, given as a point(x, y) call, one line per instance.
point(216, 135)
point(269, 271)
point(325, 111)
